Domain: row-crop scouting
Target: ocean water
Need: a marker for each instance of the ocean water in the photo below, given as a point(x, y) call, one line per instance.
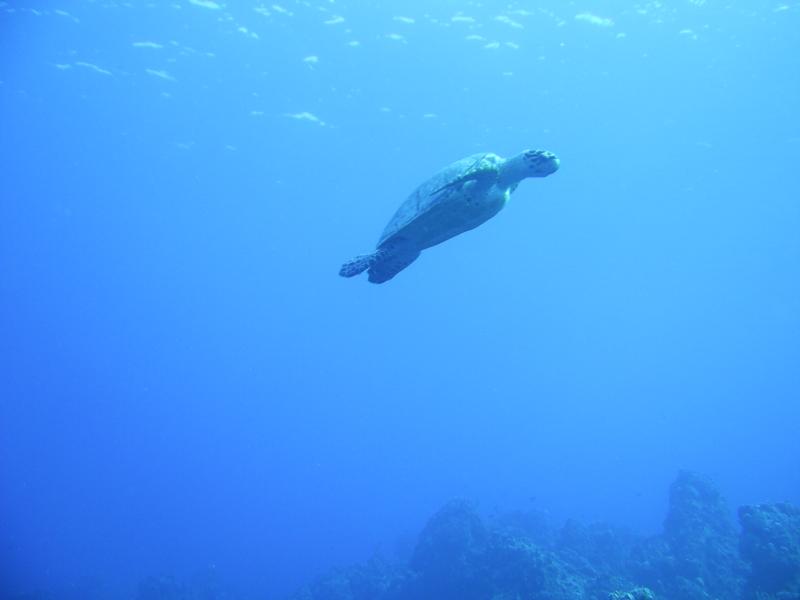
point(188, 388)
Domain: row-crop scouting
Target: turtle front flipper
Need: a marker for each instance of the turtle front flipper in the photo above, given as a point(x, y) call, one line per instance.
point(482, 171)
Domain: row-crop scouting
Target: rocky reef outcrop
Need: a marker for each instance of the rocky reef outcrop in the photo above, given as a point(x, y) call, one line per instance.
point(770, 543)
point(372, 580)
point(700, 555)
point(696, 558)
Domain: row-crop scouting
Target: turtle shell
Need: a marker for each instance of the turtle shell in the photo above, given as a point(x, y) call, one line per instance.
point(428, 198)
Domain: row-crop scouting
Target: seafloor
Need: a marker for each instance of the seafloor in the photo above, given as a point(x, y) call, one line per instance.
point(700, 555)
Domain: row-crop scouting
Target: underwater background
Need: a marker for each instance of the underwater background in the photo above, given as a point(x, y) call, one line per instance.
point(189, 392)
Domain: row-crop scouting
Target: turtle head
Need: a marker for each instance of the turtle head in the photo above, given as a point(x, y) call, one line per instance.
point(530, 163)
point(539, 163)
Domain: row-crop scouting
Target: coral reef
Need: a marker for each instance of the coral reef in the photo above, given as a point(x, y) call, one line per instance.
point(375, 579)
point(637, 594)
point(770, 542)
point(696, 558)
point(519, 556)
point(450, 552)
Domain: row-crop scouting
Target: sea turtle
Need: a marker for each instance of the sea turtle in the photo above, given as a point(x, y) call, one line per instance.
point(458, 198)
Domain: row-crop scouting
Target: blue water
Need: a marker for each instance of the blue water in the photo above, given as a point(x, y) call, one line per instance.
point(186, 384)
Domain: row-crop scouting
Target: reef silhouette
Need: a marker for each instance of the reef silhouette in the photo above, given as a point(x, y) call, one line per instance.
point(700, 555)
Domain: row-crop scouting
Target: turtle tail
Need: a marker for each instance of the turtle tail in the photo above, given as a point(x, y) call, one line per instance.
point(357, 265)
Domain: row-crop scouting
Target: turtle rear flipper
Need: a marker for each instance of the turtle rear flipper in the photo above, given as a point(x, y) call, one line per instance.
point(359, 264)
point(390, 264)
